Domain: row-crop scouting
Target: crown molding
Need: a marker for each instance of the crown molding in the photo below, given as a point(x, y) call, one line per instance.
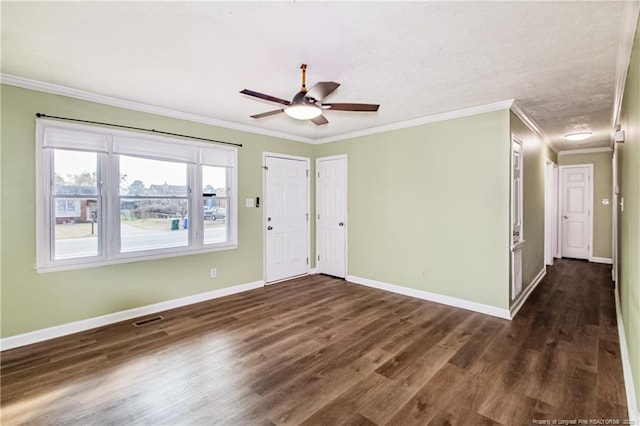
point(420, 121)
point(56, 89)
point(84, 95)
point(585, 151)
point(630, 12)
point(533, 126)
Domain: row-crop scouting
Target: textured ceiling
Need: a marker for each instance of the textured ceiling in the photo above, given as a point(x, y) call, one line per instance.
point(556, 59)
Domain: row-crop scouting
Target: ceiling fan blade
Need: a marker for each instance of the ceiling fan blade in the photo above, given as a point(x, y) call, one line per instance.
point(265, 97)
point(320, 120)
point(322, 89)
point(268, 113)
point(351, 107)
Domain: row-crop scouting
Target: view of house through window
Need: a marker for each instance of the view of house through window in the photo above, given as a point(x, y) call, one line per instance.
point(153, 204)
point(75, 203)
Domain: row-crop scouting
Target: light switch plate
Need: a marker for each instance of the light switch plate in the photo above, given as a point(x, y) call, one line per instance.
point(250, 202)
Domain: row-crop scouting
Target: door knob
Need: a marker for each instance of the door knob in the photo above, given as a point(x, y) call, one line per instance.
point(516, 233)
point(565, 217)
point(269, 228)
point(341, 224)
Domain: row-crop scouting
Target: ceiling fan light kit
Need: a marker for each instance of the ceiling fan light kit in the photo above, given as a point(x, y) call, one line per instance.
point(306, 105)
point(303, 112)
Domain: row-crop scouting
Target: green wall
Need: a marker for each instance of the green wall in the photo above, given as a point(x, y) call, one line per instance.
point(629, 231)
point(602, 188)
point(32, 301)
point(535, 155)
point(432, 198)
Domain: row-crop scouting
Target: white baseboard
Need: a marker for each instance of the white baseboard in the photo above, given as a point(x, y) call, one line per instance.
point(629, 386)
point(527, 292)
point(433, 297)
point(89, 323)
point(313, 271)
point(606, 260)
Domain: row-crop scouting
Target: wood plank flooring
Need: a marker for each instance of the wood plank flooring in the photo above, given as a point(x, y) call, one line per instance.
point(321, 351)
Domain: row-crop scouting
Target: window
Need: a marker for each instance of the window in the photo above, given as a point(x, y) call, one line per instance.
point(108, 196)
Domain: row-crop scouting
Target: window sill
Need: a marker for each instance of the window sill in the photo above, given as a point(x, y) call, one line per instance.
point(130, 258)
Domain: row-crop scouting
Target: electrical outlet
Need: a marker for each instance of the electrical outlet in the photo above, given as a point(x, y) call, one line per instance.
point(424, 275)
point(213, 273)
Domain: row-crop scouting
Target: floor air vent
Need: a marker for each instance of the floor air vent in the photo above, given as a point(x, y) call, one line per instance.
point(148, 321)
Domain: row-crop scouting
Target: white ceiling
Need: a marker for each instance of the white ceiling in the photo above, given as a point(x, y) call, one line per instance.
point(560, 61)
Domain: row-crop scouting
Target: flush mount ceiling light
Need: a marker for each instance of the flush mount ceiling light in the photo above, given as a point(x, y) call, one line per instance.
point(578, 136)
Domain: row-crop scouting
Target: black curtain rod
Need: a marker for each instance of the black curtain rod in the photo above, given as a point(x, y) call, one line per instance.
point(41, 115)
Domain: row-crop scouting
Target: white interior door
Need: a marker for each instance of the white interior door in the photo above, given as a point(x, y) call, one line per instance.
point(576, 210)
point(286, 218)
point(331, 206)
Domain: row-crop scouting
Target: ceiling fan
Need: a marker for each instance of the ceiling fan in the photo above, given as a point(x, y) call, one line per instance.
point(306, 104)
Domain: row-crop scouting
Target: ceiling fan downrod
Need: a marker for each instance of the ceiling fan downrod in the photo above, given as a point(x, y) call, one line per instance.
point(303, 67)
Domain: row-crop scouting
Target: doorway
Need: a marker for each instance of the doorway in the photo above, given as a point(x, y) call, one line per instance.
point(331, 217)
point(576, 195)
point(286, 216)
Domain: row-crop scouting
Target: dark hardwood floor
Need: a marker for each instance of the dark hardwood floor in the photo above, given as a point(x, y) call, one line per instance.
point(320, 351)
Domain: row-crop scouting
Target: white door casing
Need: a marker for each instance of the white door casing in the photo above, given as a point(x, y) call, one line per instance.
point(516, 191)
point(286, 217)
point(550, 212)
point(517, 238)
point(575, 210)
point(331, 217)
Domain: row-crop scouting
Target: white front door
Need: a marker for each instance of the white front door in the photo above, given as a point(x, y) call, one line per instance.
point(331, 206)
point(286, 218)
point(576, 211)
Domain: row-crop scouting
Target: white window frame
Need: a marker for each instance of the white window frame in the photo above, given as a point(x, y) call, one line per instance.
point(109, 144)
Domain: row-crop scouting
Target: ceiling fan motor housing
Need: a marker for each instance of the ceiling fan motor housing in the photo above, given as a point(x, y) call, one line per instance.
point(300, 98)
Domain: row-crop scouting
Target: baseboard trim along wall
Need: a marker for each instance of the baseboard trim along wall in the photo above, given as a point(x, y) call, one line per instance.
point(629, 386)
point(527, 292)
point(606, 260)
point(87, 324)
point(432, 297)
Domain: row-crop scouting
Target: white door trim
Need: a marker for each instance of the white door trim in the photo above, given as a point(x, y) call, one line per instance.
point(590, 204)
point(550, 211)
point(614, 215)
point(346, 209)
point(307, 161)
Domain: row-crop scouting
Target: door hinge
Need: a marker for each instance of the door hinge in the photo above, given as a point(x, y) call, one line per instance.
point(265, 167)
point(307, 217)
point(318, 216)
point(318, 174)
point(318, 258)
point(307, 260)
point(307, 173)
